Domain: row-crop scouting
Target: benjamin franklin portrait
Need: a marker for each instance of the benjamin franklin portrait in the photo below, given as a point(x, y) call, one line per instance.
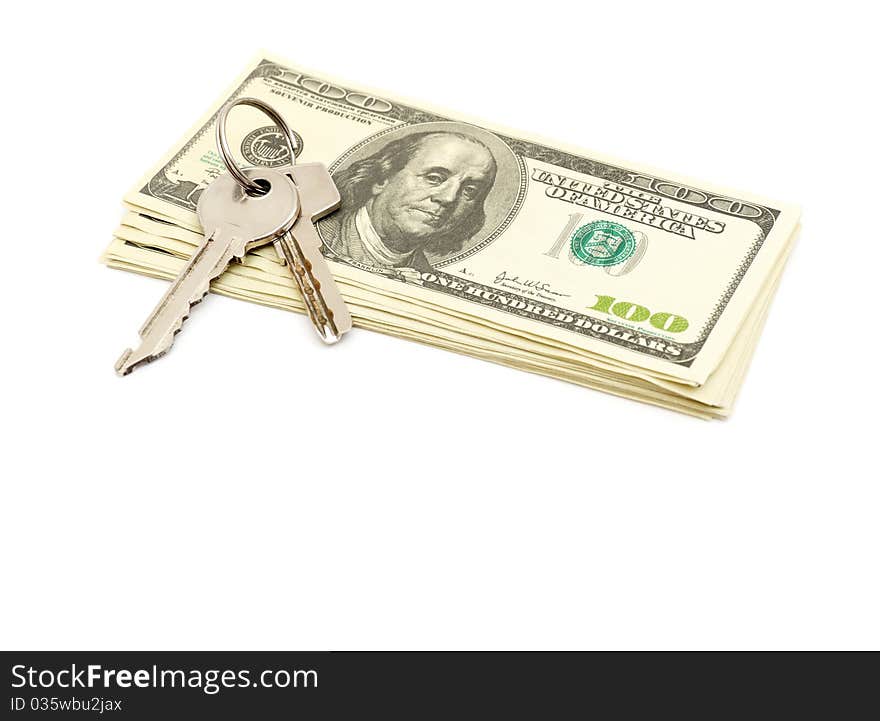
point(421, 194)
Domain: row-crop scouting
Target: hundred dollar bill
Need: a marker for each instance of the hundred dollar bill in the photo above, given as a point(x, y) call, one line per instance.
point(261, 278)
point(635, 270)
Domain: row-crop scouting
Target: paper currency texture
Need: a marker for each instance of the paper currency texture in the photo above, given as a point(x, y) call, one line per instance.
point(528, 244)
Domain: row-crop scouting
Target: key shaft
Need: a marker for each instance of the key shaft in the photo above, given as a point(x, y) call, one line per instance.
point(300, 248)
point(187, 290)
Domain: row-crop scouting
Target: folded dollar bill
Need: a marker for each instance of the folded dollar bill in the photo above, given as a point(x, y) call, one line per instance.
point(479, 239)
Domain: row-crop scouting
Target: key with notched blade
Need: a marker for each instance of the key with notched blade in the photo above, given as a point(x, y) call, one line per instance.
point(300, 249)
point(234, 222)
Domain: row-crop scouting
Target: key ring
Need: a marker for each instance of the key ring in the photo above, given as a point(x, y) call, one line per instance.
point(223, 144)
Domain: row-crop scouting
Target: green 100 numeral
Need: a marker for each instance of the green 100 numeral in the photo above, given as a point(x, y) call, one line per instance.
point(669, 322)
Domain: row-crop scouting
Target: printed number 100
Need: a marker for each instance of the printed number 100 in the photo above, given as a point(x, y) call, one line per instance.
point(669, 322)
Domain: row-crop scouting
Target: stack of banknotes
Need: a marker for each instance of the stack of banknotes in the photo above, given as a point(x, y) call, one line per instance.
point(481, 240)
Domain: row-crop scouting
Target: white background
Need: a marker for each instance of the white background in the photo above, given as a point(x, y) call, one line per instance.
point(257, 490)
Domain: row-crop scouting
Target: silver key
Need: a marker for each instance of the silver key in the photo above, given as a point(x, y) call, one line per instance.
point(300, 248)
point(234, 222)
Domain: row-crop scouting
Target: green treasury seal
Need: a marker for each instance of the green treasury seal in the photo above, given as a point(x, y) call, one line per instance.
point(602, 243)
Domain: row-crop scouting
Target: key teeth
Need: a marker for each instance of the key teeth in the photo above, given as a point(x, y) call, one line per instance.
point(123, 370)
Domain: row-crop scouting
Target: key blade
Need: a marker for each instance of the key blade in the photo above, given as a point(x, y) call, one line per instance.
point(329, 327)
point(331, 316)
point(190, 287)
point(301, 247)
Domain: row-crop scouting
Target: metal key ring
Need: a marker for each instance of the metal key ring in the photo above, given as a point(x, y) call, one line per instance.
point(223, 144)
